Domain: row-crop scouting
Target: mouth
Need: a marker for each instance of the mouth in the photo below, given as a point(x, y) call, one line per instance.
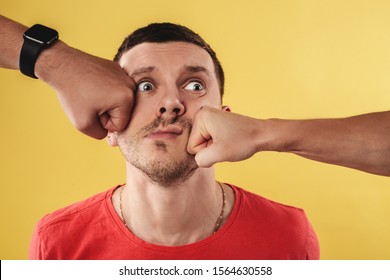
point(166, 133)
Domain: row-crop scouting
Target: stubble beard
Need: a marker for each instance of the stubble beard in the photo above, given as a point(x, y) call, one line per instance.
point(163, 169)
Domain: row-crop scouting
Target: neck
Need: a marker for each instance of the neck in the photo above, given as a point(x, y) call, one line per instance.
point(180, 214)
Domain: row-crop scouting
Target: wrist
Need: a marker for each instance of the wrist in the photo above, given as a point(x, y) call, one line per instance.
point(35, 39)
point(277, 135)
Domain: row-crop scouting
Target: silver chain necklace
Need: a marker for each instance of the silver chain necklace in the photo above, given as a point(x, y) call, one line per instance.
point(217, 223)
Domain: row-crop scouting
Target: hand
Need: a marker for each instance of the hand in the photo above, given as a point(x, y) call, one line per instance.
point(218, 135)
point(95, 93)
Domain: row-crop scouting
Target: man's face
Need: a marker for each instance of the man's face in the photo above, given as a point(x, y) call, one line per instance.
point(174, 80)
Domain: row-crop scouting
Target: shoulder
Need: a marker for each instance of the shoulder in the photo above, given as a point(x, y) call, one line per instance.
point(79, 210)
point(55, 231)
point(266, 213)
point(255, 202)
point(285, 225)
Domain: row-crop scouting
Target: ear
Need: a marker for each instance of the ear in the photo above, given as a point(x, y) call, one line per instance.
point(112, 139)
point(226, 108)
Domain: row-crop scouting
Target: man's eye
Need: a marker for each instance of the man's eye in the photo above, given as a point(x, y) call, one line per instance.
point(145, 86)
point(194, 86)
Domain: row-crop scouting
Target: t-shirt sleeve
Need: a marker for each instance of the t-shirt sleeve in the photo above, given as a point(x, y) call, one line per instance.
point(312, 244)
point(36, 249)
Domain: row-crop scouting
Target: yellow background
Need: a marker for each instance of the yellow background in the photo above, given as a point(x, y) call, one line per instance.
point(284, 59)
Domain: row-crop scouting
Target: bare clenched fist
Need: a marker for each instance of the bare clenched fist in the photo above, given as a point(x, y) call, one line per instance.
point(218, 135)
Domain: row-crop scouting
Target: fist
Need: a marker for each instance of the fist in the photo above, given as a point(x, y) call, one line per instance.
point(219, 135)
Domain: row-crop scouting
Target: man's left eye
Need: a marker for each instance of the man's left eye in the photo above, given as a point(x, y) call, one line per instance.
point(194, 86)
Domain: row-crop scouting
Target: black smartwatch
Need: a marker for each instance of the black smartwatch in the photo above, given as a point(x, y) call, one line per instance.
point(37, 38)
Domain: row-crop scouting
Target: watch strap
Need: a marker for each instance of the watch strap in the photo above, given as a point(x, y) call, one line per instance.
point(28, 57)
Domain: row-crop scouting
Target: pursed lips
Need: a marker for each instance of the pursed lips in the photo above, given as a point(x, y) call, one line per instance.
point(168, 132)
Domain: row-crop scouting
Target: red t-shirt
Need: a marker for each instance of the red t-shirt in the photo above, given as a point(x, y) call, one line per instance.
point(256, 229)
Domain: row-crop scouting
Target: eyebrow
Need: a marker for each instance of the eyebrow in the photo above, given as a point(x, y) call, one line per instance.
point(195, 69)
point(186, 68)
point(143, 70)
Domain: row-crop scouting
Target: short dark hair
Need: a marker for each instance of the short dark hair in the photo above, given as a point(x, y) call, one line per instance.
point(170, 32)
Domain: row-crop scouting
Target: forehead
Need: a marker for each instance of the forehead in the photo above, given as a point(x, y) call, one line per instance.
point(166, 56)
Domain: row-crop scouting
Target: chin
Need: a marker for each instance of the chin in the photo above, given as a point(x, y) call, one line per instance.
point(167, 171)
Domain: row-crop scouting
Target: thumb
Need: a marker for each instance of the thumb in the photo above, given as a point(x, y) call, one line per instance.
point(199, 137)
point(210, 155)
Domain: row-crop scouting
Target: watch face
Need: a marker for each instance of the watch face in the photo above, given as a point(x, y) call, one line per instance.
point(41, 34)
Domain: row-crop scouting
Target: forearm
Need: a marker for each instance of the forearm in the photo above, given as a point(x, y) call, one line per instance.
point(11, 40)
point(361, 142)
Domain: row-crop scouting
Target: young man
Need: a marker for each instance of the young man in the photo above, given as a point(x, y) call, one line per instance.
point(170, 208)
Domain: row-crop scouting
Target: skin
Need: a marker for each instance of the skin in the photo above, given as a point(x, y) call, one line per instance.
point(175, 80)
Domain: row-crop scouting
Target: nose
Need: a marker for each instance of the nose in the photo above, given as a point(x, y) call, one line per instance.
point(171, 105)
